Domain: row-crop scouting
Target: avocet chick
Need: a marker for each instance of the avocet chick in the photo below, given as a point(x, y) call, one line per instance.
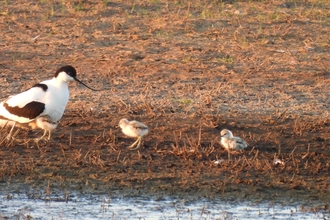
point(133, 129)
point(230, 142)
point(44, 122)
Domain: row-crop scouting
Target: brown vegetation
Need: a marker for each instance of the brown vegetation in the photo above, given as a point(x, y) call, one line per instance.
point(187, 69)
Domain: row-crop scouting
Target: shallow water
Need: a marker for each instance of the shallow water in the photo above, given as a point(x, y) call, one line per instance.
point(91, 206)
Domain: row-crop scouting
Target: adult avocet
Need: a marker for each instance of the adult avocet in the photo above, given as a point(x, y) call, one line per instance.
point(42, 105)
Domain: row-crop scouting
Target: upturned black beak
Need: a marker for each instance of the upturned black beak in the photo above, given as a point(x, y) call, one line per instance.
point(85, 84)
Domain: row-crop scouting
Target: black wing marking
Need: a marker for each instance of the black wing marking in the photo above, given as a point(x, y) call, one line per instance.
point(31, 110)
point(44, 87)
point(140, 127)
point(240, 141)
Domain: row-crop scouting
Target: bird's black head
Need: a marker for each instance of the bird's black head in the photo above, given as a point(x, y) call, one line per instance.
point(70, 70)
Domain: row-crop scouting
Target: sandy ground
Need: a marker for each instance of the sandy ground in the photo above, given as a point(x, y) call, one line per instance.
point(187, 70)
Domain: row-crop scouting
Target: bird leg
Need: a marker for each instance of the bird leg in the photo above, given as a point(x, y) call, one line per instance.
point(11, 131)
point(228, 151)
point(138, 141)
point(45, 132)
point(132, 145)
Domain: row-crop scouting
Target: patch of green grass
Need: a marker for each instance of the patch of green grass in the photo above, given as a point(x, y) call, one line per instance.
point(243, 41)
point(63, 6)
point(186, 59)
point(206, 13)
point(133, 7)
point(4, 12)
point(226, 59)
point(261, 17)
point(154, 1)
point(105, 2)
point(260, 29)
point(184, 101)
point(275, 16)
point(178, 3)
point(163, 34)
point(213, 11)
point(144, 12)
point(51, 9)
point(79, 6)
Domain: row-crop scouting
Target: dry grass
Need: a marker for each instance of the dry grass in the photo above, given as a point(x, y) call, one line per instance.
point(187, 69)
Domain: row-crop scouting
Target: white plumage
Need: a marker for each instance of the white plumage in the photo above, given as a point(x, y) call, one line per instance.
point(42, 105)
point(230, 142)
point(133, 129)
